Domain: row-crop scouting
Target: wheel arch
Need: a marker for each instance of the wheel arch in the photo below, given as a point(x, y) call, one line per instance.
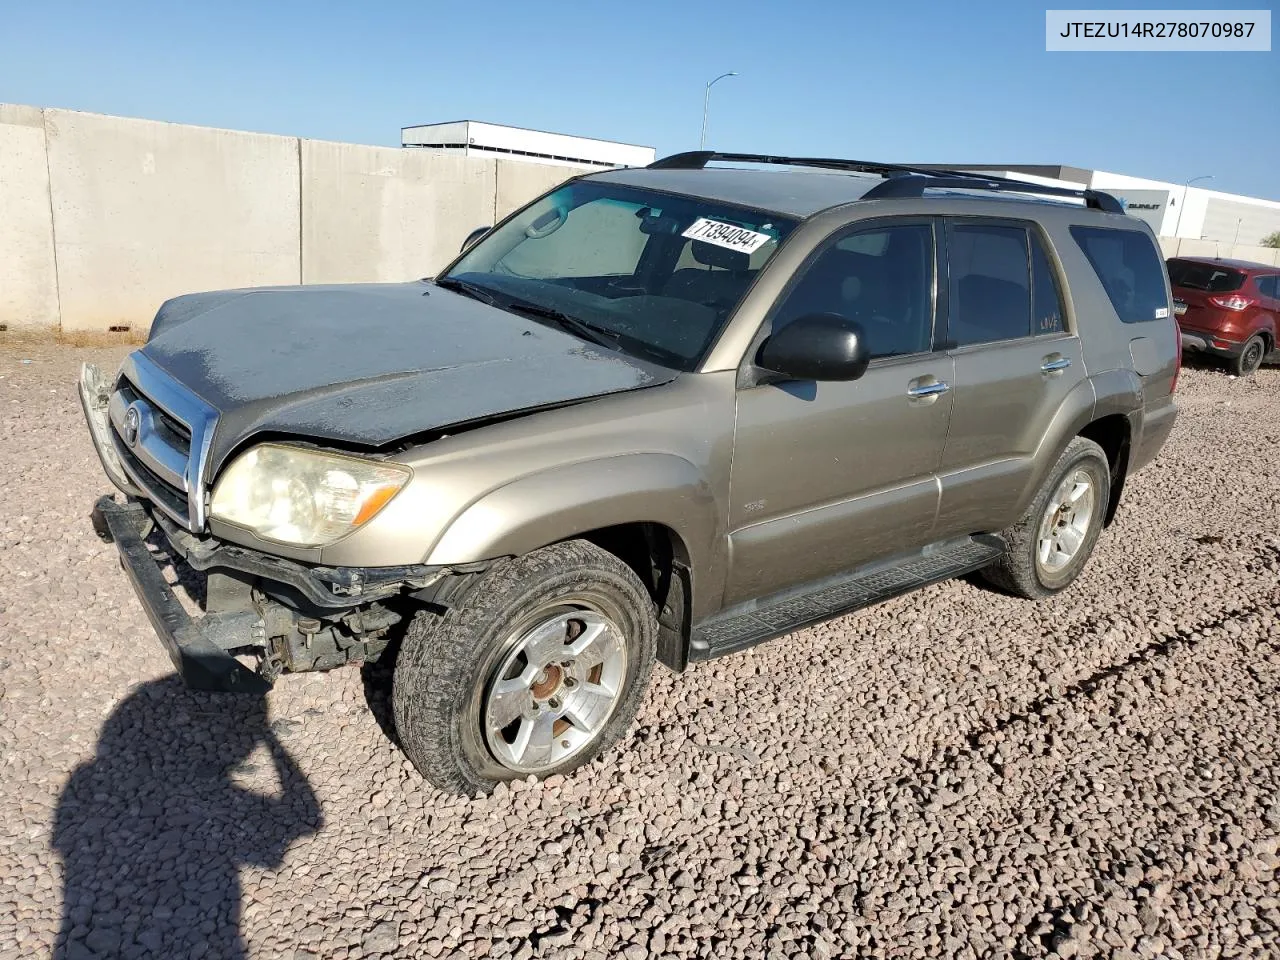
point(1101, 409)
point(1114, 434)
point(655, 512)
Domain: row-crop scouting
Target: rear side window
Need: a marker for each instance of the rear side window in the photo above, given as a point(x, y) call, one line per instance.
point(990, 292)
point(1046, 298)
point(1209, 277)
point(1270, 286)
point(1130, 270)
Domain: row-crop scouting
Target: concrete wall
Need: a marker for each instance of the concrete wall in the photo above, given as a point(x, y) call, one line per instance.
point(143, 211)
point(103, 218)
point(385, 213)
point(28, 276)
point(520, 181)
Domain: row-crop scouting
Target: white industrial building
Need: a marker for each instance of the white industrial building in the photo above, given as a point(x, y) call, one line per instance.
point(1172, 209)
point(473, 138)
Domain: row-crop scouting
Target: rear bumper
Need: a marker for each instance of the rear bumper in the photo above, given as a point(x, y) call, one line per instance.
point(199, 659)
point(1196, 341)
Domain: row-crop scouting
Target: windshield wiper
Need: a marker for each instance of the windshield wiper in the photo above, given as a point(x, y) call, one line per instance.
point(468, 289)
point(593, 334)
point(596, 335)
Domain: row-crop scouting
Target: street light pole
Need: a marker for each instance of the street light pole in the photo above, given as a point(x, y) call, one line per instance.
point(1185, 187)
point(706, 103)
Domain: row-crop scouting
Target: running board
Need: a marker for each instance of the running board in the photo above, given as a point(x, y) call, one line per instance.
point(748, 624)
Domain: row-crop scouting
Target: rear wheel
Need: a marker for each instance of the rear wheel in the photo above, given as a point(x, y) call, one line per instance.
point(1250, 358)
point(1048, 547)
point(537, 669)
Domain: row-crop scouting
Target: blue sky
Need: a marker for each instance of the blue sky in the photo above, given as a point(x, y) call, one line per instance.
point(907, 82)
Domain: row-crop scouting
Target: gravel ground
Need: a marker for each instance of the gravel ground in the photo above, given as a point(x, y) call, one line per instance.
point(953, 773)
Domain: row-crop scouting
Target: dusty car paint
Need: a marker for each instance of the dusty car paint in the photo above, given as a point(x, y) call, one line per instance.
point(368, 364)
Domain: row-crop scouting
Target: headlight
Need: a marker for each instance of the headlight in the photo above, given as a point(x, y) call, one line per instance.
point(301, 496)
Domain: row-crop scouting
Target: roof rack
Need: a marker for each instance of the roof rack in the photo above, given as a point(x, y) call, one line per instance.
point(900, 180)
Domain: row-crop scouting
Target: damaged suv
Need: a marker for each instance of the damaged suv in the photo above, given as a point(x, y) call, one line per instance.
point(657, 415)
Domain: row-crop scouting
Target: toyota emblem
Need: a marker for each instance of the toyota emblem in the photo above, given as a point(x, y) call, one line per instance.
point(132, 419)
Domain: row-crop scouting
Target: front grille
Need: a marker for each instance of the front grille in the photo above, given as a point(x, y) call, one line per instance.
point(179, 433)
point(161, 492)
point(170, 429)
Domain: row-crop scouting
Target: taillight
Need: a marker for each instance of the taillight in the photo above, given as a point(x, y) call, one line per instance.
point(1177, 369)
point(1233, 302)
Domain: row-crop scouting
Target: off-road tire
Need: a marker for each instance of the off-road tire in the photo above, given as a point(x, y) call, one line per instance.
point(446, 659)
point(1017, 571)
point(1251, 357)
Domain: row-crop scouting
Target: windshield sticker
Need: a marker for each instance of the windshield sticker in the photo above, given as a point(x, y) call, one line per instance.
point(726, 235)
point(1162, 312)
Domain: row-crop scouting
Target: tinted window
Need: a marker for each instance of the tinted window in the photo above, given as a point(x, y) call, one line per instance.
point(882, 278)
point(1268, 286)
point(1209, 277)
point(1046, 299)
point(1130, 270)
point(990, 283)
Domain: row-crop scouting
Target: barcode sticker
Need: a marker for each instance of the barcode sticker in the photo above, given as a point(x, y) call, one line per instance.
point(726, 235)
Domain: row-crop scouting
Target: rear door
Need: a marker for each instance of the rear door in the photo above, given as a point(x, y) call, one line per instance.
point(1015, 363)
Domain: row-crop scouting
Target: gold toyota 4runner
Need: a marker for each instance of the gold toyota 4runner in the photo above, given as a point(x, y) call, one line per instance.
point(658, 414)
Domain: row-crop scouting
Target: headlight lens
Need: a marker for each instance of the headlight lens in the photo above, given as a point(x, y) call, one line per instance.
point(304, 497)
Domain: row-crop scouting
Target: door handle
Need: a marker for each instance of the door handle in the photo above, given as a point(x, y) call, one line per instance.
point(1053, 366)
point(918, 390)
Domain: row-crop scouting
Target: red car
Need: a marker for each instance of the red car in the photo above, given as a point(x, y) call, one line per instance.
point(1228, 309)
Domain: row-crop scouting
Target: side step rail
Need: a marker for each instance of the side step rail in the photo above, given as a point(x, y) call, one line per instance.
point(744, 626)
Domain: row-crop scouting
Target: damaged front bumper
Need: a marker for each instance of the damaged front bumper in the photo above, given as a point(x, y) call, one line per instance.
point(201, 661)
point(289, 617)
point(286, 615)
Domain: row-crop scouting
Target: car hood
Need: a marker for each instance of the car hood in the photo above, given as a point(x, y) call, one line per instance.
point(369, 364)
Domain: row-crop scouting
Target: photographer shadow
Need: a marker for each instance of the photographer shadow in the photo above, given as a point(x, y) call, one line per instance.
point(153, 831)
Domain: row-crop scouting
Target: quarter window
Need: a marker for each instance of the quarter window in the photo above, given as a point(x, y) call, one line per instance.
point(882, 278)
point(1046, 298)
point(1130, 270)
point(990, 291)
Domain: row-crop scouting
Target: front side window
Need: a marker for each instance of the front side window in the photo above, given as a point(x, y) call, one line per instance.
point(880, 277)
point(650, 274)
point(990, 292)
point(1129, 268)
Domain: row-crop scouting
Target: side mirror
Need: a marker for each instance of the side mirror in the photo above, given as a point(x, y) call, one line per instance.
point(473, 236)
point(817, 346)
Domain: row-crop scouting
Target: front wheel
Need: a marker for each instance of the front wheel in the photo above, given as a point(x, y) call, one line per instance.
point(536, 669)
point(1049, 546)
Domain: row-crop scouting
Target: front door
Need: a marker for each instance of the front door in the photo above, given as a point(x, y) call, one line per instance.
point(827, 476)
